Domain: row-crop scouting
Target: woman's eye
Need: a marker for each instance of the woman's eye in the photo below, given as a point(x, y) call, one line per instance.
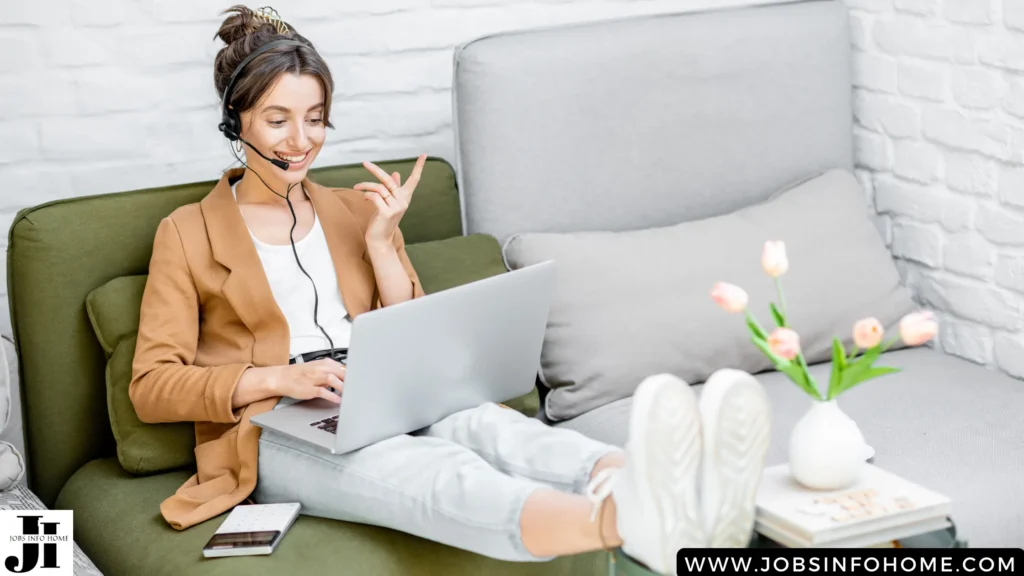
point(277, 122)
point(316, 120)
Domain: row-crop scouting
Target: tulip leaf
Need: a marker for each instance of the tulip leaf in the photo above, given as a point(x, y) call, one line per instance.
point(851, 380)
point(779, 361)
point(855, 371)
point(812, 385)
point(838, 365)
point(865, 361)
point(797, 373)
point(780, 320)
point(755, 327)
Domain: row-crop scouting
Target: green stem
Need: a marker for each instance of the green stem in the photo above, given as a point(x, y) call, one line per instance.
point(755, 326)
point(853, 354)
point(802, 363)
point(782, 299)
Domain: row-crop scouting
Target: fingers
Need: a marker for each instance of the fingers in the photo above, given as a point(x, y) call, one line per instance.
point(324, 388)
point(417, 171)
point(337, 369)
point(381, 175)
point(327, 373)
point(330, 366)
point(328, 395)
point(335, 382)
point(406, 191)
point(377, 193)
point(382, 205)
point(393, 182)
point(380, 189)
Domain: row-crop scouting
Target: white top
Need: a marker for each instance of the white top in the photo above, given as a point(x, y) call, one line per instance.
point(294, 293)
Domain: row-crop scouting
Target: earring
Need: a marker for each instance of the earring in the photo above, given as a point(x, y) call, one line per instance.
point(238, 146)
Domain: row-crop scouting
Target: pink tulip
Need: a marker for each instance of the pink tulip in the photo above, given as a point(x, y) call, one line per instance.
point(785, 343)
point(867, 333)
point(917, 328)
point(773, 258)
point(730, 297)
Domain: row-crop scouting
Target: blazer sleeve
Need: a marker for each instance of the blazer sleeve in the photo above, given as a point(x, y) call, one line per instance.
point(165, 386)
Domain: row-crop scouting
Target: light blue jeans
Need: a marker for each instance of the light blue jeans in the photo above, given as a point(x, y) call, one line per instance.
point(461, 482)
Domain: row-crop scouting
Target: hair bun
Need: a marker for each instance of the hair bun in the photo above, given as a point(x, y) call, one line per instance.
point(240, 24)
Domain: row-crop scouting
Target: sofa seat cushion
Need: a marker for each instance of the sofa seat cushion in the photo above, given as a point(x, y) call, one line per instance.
point(945, 423)
point(118, 525)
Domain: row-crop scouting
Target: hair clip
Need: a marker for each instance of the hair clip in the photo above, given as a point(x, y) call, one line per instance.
point(270, 16)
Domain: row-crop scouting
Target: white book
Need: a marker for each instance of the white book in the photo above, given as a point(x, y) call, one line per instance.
point(872, 540)
point(879, 501)
point(254, 529)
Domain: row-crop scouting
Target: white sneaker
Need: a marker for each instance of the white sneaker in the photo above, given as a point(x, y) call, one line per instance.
point(736, 422)
point(655, 494)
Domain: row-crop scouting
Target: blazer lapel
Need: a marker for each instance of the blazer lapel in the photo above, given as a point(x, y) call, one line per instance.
point(347, 247)
point(246, 287)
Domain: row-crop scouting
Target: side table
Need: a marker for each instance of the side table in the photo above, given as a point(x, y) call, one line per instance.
point(21, 498)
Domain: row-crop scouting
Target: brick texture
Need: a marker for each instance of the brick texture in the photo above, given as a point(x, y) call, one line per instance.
point(120, 96)
point(938, 104)
point(945, 156)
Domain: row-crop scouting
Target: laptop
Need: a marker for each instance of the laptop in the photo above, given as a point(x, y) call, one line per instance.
point(413, 364)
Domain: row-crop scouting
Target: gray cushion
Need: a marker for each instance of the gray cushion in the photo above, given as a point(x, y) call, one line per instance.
point(12, 438)
point(943, 422)
point(635, 303)
point(649, 121)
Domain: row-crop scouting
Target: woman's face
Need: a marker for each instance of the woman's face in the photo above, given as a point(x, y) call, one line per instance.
point(287, 123)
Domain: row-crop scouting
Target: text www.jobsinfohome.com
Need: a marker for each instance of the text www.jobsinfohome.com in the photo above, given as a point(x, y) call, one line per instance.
point(826, 562)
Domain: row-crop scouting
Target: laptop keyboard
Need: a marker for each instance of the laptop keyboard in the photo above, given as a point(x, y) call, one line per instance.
point(327, 424)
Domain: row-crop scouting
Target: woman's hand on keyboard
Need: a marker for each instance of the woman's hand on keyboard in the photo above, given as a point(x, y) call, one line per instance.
point(310, 380)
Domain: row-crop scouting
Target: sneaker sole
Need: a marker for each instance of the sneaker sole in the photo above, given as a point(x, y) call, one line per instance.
point(737, 453)
point(666, 418)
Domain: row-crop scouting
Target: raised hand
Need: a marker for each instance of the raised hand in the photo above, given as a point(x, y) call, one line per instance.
point(391, 197)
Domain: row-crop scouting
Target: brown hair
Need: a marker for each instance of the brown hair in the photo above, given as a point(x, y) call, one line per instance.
point(243, 32)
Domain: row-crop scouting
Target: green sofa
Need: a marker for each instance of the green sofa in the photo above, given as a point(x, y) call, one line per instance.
point(61, 251)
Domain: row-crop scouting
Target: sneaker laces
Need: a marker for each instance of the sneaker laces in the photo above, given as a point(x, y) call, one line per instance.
point(600, 487)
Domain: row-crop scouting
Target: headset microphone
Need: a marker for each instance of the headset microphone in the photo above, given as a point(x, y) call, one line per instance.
point(275, 161)
point(231, 123)
point(231, 127)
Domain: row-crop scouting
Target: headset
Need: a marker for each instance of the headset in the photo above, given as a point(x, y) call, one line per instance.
point(231, 121)
point(231, 127)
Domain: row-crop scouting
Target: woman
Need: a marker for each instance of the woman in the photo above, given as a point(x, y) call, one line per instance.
point(227, 310)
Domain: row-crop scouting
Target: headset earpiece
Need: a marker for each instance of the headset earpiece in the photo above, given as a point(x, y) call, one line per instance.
point(230, 125)
point(230, 120)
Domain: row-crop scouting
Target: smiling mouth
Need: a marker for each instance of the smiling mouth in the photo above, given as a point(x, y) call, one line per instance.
point(292, 159)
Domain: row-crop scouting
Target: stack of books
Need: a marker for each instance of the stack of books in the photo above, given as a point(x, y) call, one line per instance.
point(879, 510)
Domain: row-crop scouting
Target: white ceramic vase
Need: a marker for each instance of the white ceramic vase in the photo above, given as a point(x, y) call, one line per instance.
point(826, 448)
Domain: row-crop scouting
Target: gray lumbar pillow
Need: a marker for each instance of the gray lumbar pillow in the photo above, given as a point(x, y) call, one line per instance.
point(636, 303)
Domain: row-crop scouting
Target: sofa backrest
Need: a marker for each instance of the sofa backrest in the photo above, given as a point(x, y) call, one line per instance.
point(650, 121)
point(60, 251)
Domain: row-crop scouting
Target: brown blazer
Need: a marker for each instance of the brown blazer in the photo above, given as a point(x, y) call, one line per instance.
point(208, 314)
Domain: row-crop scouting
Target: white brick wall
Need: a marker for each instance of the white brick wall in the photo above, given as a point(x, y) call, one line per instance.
point(117, 98)
point(114, 95)
point(940, 131)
